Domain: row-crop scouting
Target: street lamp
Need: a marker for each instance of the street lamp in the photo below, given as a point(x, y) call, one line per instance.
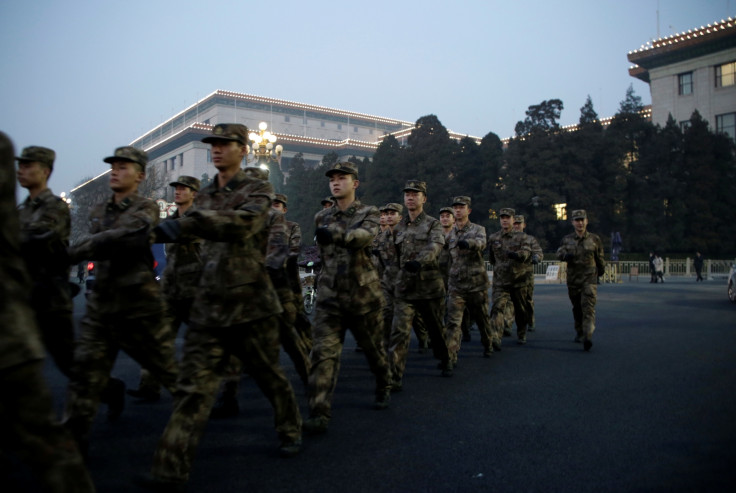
point(262, 150)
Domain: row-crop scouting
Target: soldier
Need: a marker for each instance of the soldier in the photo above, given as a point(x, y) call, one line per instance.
point(44, 237)
point(583, 252)
point(419, 287)
point(508, 252)
point(468, 279)
point(348, 296)
point(537, 256)
point(28, 426)
point(386, 255)
point(234, 312)
point(125, 309)
point(447, 220)
point(328, 202)
point(178, 281)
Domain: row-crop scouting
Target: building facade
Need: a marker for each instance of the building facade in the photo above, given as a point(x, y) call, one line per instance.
point(694, 70)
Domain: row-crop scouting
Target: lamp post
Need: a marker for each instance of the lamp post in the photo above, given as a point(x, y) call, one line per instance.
point(262, 151)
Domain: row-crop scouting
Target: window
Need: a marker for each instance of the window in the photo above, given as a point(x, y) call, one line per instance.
point(339, 126)
point(726, 74)
point(173, 163)
point(321, 124)
point(287, 118)
point(726, 124)
point(355, 129)
point(181, 160)
point(685, 84)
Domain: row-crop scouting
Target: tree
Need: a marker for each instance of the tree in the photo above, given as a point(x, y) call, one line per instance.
point(541, 118)
point(384, 178)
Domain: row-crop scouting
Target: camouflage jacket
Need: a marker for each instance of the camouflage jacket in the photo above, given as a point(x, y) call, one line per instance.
point(388, 258)
point(20, 341)
point(348, 280)
point(420, 240)
point(467, 272)
point(537, 255)
point(278, 253)
point(508, 272)
point(444, 260)
point(587, 263)
point(295, 248)
point(183, 268)
point(120, 244)
point(234, 287)
point(44, 236)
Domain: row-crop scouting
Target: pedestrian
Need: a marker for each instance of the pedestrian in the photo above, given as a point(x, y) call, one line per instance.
point(698, 261)
point(509, 250)
point(234, 312)
point(583, 252)
point(419, 288)
point(468, 279)
point(537, 256)
point(348, 296)
point(45, 225)
point(125, 309)
point(178, 281)
point(28, 427)
point(658, 268)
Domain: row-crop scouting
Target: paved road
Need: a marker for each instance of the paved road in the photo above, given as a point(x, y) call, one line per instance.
point(650, 408)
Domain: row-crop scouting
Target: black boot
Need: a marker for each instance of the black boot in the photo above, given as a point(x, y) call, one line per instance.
point(114, 397)
point(227, 404)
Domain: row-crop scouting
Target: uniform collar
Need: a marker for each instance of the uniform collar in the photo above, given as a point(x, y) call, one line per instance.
point(350, 211)
point(122, 205)
point(40, 199)
point(417, 221)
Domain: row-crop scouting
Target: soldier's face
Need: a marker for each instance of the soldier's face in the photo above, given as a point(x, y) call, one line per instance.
point(446, 219)
point(392, 218)
point(382, 220)
point(342, 185)
point(580, 224)
point(227, 154)
point(518, 226)
point(414, 201)
point(506, 223)
point(278, 206)
point(183, 195)
point(32, 174)
point(461, 212)
point(125, 176)
point(327, 205)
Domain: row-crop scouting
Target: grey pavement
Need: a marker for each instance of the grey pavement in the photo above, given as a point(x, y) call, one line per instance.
point(652, 407)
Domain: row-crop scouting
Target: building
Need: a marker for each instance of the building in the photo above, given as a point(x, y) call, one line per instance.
point(693, 70)
point(174, 147)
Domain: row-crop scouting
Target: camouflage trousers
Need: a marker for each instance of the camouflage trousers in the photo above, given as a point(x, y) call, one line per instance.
point(476, 305)
point(146, 339)
point(30, 431)
point(501, 296)
point(405, 312)
point(206, 352)
point(329, 338)
point(583, 300)
point(57, 333)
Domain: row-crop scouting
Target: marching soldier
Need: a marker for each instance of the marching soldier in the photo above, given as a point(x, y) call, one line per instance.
point(387, 257)
point(537, 256)
point(583, 252)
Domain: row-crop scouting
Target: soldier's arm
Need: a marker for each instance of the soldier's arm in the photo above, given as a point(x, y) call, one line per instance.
point(295, 240)
point(477, 238)
point(359, 235)
point(600, 263)
point(243, 221)
point(537, 253)
point(133, 232)
point(432, 249)
point(278, 241)
point(491, 255)
point(53, 224)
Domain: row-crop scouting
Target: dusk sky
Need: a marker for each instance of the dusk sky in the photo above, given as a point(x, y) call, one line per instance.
point(85, 77)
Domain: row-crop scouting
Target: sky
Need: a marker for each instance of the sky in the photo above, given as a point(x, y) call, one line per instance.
point(84, 77)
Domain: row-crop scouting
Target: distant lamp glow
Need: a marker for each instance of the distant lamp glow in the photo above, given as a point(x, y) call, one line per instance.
point(262, 150)
point(561, 211)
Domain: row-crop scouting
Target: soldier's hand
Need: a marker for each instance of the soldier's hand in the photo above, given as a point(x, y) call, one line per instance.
point(413, 266)
point(569, 257)
point(167, 231)
point(463, 245)
point(512, 255)
point(323, 235)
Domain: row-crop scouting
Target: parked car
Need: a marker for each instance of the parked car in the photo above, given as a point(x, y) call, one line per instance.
point(732, 284)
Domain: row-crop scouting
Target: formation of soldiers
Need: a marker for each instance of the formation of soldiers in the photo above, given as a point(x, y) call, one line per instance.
point(232, 278)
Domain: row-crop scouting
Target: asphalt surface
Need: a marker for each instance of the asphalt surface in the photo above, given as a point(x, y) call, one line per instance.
point(650, 408)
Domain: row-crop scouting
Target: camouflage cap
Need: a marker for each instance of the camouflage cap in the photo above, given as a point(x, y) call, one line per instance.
point(345, 167)
point(129, 153)
point(416, 186)
point(393, 206)
point(507, 211)
point(461, 200)
point(187, 181)
point(43, 155)
point(328, 200)
point(280, 197)
point(579, 214)
point(228, 131)
point(447, 210)
point(519, 219)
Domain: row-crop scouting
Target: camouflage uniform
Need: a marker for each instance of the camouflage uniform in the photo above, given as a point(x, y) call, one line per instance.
point(536, 257)
point(509, 279)
point(45, 227)
point(124, 310)
point(348, 297)
point(301, 321)
point(28, 426)
point(235, 312)
point(584, 257)
point(386, 258)
point(468, 284)
point(418, 242)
